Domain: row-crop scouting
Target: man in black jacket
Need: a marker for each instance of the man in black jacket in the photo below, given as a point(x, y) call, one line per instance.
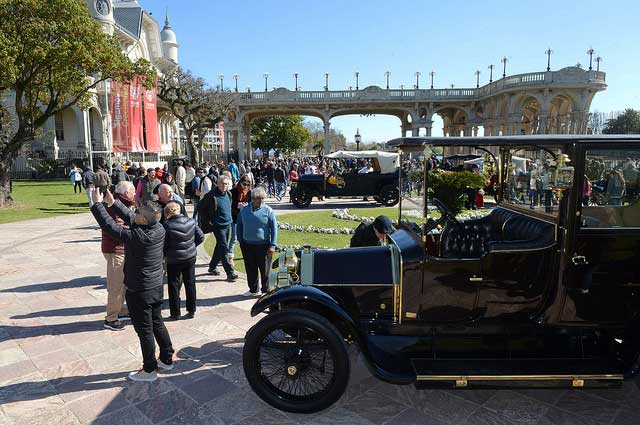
point(372, 234)
point(144, 244)
point(182, 237)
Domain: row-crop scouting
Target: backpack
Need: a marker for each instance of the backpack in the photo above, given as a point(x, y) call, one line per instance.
point(207, 208)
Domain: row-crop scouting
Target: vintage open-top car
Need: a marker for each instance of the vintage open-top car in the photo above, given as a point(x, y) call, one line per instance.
point(347, 179)
point(544, 288)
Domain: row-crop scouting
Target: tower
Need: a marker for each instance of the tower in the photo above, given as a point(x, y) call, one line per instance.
point(102, 11)
point(169, 43)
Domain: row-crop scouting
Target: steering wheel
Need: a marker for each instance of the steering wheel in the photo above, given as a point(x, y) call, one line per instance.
point(445, 215)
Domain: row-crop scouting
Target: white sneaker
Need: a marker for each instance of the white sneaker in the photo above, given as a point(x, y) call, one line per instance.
point(250, 294)
point(142, 376)
point(164, 366)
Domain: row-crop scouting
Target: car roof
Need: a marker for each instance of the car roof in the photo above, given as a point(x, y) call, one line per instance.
point(416, 143)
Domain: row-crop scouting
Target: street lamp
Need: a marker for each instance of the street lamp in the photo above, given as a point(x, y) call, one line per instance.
point(235, 77)
point(491, 73)
point(357, 74)
point(417, 80)
point(452, 86)
point(326, 81)
point(598, 60)
point(387, 74)
point(295, 75)
point(358, 139)
point(504, 61)
point(221, 76)
point(548, 53)
point(432, 73)
point(477, 78)
point(266, 81)
point(248, 89)
point(590, 52)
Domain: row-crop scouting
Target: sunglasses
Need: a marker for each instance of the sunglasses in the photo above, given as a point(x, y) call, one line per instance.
point(245, 183)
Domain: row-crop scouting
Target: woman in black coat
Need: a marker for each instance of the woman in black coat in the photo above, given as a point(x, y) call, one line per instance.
point(182, 237)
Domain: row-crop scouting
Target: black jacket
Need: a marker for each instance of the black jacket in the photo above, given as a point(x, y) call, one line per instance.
point(183, 235)
point(143, 246)
point(364, 236)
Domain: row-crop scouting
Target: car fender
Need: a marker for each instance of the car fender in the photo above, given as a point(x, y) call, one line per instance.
point(305, 294)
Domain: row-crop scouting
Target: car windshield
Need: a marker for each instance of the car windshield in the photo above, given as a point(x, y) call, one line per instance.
point(463, 178)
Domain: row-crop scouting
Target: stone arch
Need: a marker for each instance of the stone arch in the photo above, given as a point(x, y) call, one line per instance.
point(454, 119)
point(68, 129)
point(96, 130)
point(560, 108)
point(527, 110)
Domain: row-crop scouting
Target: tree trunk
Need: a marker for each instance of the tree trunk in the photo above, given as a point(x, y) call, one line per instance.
point(7, 156)
point(5, 185)
point(194, 152)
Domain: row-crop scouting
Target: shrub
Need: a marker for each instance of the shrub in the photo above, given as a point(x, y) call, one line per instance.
point(449, 187)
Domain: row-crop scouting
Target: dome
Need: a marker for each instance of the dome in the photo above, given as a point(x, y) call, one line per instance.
point(167, 35)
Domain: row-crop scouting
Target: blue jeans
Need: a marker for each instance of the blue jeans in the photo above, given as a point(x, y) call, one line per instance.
point(233, 238)
point(280, 189)
point(222, 248)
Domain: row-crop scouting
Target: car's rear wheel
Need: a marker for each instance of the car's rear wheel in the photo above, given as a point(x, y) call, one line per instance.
point(302, 198)
point(389, 196)
point(296, 361)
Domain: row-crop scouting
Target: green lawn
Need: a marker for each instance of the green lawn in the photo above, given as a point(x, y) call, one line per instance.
point(41, 199)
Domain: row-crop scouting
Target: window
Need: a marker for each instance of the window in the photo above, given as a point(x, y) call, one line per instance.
point(59, 127)
point(529, 179)
point(610, 188)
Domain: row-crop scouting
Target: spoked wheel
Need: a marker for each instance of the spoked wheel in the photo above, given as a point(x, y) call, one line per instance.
point(389, 196)
point(302, 198)
point(296, 361)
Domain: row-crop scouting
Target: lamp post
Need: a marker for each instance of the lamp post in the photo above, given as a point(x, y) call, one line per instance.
point(590, 52)
point(452, 86)
point(491, 73)
point(387, 74)
point(326, 81)
point(432, 73)
point(358, 139)
point(248, 89)
point(598, 60)
point(417, 80)
point(504, 61)
point(357, 74)
point(221, 76)
point(295, 75)
point(548, 53)
point(477, 78)
point(266, 81)
point(235, 77)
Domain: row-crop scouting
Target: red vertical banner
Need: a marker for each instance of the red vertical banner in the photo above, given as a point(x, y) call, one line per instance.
point(151, 120)
point(136, 141)
point(119, 110)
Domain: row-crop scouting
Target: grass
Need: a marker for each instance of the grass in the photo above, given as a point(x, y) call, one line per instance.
point(42, 199)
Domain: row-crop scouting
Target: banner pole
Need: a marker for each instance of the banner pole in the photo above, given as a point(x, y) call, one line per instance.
point(109, 129)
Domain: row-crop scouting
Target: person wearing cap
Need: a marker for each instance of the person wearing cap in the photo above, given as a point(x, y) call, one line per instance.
point(372, 234)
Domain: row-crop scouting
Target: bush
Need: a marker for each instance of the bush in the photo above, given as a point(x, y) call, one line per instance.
point(450, 186)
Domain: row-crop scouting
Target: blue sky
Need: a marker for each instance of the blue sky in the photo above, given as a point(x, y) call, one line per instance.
point(340, 37)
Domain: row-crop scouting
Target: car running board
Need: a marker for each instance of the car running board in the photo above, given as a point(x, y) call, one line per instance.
point(492, 373)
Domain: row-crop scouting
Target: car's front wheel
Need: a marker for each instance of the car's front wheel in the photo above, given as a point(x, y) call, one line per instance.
point(301, 198)
point(389, 196)
point(296, 361)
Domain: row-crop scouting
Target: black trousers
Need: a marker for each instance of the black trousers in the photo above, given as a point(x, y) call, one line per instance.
point(144, 309)
point(255, 260)
point(177, 274)
point(222, 247)
point(77, 185)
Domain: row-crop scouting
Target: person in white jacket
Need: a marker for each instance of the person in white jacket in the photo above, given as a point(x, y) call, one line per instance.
point(181, 179)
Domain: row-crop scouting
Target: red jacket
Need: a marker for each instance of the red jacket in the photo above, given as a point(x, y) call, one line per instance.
point(111, 245)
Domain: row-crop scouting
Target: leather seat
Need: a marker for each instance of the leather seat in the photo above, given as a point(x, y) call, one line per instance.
point(501, 230)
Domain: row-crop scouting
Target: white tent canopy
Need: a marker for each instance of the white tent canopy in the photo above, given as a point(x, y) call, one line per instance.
point(388, 160)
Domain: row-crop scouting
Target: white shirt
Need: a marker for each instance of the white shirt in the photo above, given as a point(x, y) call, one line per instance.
point(365, 170)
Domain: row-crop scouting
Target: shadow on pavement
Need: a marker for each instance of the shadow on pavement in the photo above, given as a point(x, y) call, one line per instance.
point(80, 282)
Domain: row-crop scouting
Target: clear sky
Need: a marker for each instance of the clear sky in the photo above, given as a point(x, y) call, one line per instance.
point(251, 37)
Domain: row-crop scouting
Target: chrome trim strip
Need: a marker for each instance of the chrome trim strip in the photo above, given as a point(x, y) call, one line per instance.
point(614, 377)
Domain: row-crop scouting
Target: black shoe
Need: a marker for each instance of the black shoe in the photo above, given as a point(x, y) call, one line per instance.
point(189, 316)
point(214, 272)
point(124, 317)
point(172, 318)
point(232, 277)
point(115, 325)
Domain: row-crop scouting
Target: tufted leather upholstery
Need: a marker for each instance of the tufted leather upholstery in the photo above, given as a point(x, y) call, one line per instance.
point(499, 231)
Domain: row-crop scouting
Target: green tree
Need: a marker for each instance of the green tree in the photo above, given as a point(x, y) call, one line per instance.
point(627, 123)
point(282, 133)
point(52, 55)
point(337, 140)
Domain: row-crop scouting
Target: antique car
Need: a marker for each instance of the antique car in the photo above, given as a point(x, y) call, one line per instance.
point(541, 288)
point(381, 182)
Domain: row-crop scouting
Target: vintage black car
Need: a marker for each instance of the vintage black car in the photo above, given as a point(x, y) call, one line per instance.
point(381, 182)
point(543, 289)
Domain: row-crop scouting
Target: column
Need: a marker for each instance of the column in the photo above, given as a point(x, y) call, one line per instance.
point(247, 140)
point(542, 123)
point(428, 130)
point(468, 131)
point(240, 146)
point(415, 130)
point(327, 133)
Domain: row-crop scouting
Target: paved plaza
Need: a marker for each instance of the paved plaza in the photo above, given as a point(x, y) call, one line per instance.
point(58, 365)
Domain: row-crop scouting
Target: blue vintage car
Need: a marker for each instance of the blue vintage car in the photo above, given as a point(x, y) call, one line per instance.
point(541, 288)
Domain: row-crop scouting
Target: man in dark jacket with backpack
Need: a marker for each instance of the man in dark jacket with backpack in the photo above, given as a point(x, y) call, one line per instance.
point(182, 237)
point(143, 276)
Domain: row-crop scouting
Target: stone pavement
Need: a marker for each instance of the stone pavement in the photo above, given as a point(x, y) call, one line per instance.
point(58, 365)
